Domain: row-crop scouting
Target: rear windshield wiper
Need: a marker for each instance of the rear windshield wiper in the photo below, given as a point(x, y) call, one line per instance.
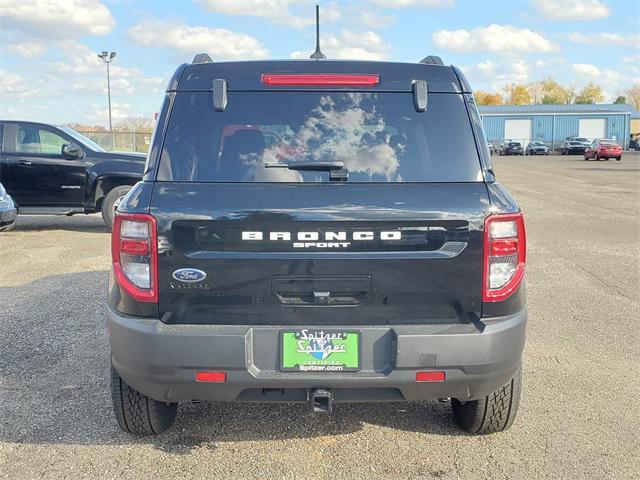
point(307, 166)
point(336, 170)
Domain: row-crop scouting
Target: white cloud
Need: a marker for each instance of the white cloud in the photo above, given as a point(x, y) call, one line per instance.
point(57, 18)
point(486, 67)
point(494, 38)
point(220, 43)
point(587, 70)
point(497, 74)
point(373, 19)
point(100, 114)
point(18, 89)
point(28, 49)
point(277, 11)
point(78, 60)
point(351, 45)
point(627, 40)
point(572, 10)
point(119, 85)
point(12, 85)
point(414, 3)
point(87, 73)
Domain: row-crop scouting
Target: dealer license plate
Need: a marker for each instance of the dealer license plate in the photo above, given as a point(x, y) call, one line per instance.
point(319, 350)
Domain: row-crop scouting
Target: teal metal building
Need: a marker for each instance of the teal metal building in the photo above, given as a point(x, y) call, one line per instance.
point(551, 124)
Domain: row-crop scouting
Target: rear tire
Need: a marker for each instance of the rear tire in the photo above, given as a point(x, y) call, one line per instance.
point(493, 413)
point(111, 202)
point(138, 414)
point(619, 158)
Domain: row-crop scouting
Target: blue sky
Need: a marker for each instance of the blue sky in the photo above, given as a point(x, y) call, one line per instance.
point(49, 70)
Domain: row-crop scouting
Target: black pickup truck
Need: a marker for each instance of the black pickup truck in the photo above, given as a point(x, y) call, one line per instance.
point(54, 170)
point(322, 232)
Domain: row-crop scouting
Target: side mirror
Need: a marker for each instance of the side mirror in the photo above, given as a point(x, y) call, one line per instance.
point(71, 150)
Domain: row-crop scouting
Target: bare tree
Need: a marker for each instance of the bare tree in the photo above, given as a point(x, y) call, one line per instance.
point(633, 96)
point(134, 124)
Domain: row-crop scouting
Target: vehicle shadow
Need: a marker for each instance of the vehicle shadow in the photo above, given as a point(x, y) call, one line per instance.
point(54, 366)
point(74, 223)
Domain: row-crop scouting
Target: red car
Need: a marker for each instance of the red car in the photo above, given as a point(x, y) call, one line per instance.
point(603, 148)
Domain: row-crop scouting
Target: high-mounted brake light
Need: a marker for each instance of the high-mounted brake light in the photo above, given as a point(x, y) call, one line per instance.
point(505, 252)
point(134, 253)
point(318, 79)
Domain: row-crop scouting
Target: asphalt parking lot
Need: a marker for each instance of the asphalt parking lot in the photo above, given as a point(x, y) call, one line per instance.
point(578, 417)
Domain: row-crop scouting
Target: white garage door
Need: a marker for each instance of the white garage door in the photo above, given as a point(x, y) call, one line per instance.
point(518, 131)
point(592, 128)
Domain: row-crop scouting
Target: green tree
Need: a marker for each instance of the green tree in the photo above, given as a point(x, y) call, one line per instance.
point(591, 93)
point(621, 99)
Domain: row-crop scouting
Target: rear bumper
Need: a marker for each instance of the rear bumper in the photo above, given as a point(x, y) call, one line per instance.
point(160, 361)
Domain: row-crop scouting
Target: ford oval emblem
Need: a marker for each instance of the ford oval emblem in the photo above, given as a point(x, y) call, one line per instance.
point(189, 275)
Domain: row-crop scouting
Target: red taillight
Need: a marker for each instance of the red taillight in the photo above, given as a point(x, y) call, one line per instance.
point(315, 79)
point(134, 247)
point(211, 377)
point(504, 256)
point(504, 247)
point(134, 254)
point(436, 376)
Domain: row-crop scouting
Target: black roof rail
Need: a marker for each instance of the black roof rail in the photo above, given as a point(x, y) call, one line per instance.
point(432, 60)
point(202, 58)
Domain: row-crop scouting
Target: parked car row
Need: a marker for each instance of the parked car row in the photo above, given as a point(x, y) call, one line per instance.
point(598, 149)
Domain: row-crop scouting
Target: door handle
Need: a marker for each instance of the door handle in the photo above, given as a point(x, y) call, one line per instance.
point(24, 162)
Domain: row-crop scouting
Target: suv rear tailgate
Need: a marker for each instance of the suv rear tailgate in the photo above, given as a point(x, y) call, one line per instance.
point(368, 253)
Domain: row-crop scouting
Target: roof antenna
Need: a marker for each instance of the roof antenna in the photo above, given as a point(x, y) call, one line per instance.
point(318, 55)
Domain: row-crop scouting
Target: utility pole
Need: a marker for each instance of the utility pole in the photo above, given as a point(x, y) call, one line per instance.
point(107, 58)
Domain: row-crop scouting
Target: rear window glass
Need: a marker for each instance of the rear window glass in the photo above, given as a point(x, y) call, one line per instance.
point(379, 137)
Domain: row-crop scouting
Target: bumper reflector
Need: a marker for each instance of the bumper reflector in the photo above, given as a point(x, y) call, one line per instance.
point(430, 376)
point(211, 376)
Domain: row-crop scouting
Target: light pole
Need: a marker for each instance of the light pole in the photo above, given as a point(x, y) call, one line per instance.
point(108, 58)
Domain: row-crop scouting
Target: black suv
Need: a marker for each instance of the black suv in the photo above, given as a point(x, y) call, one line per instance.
point(322, 232)
point(54, 170)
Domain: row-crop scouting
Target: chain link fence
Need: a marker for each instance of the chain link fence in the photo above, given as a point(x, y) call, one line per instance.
point(121, 141)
